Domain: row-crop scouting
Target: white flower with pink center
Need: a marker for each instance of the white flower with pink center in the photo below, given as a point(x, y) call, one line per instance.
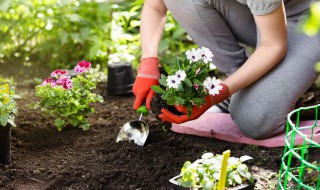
point(212, 85)
point(173, 81)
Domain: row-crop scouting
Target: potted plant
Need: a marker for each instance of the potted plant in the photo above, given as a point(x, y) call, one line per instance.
point(185, 82)
point(68, 99)
point(205, 173)
point(8, 111)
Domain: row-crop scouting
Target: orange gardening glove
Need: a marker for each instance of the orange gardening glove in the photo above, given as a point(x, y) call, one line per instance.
point(148, 75)
point(196, 112)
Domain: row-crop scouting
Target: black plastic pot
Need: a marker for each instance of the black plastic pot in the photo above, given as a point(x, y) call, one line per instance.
point(120, 78)
point(5, 144)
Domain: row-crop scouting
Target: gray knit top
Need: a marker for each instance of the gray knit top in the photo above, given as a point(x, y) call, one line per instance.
point(262, 7)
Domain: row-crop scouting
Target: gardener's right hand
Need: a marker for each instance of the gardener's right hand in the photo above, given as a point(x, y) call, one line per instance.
point(167, 116)
point(148, 75)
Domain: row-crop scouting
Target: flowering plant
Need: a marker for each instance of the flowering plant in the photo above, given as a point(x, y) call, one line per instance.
point(205, 172)
point(68, 99)
point(8, 105)
point(187, 82)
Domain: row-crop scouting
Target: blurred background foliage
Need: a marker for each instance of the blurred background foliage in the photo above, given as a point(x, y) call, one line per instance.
point(312, 26)
point(59, 33)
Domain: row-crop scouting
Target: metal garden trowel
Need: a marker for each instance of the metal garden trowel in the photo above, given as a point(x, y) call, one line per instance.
point(135, 130)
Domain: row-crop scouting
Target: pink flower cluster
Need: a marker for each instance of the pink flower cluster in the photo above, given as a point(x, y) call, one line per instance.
point(49, 81)
point(82, 66)
point(58, 73)
point(60, 78)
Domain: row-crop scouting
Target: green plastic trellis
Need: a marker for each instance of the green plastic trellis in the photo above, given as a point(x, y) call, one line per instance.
point(293, 175)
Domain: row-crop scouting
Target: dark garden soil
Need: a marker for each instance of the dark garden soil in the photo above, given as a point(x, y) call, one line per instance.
point(43, 158)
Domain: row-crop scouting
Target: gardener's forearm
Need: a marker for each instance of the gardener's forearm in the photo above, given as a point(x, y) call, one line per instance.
point(272, 49)
point(261, 61)
point(153, 19)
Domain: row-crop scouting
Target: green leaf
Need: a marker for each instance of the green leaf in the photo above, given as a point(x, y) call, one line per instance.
point(186, 164)
point(186, 184)
point(189, 113)
point(180, 88)
point(163, 81)
point(85, 126)
point(59, 123)
point(187, 175)
point(53, 94)
point(242, 169)
point(74, 122)
point(157, 89)
point(166, 95)
point(76, 103)
point(188, 82)
point(188, 92)
point(4, 119)
point(196, 81)
point(178, 33)
point(167, 69)
point(163, 45)
point(50, 102)
point(179, 100)
point(198, 101)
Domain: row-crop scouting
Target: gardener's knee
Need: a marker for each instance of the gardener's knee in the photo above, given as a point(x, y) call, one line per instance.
point(257, 124)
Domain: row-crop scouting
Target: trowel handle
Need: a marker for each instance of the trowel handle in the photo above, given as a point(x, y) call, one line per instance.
point(143, 109)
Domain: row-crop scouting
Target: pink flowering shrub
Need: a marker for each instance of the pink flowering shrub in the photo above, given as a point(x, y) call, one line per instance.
point(68, 99)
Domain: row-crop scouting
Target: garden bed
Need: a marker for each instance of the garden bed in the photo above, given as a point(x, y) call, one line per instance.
point(43, 158)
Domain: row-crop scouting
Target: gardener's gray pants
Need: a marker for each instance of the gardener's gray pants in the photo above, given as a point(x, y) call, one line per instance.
point(259, 110)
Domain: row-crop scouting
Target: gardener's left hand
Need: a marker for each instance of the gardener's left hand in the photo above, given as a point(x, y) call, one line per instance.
point(196, 112)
